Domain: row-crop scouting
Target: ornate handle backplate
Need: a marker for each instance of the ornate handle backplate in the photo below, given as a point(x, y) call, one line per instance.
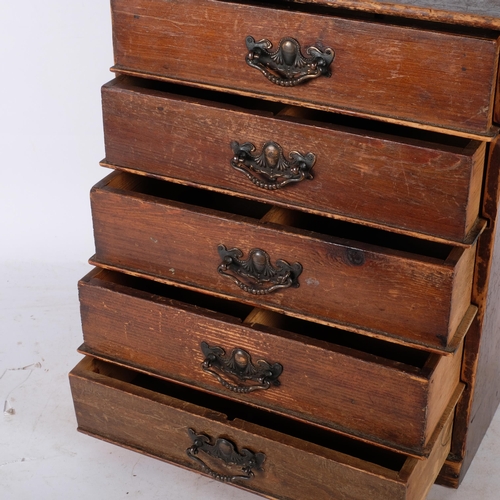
point(239, 365)
point(257, 271)
point(270, 164)
point(287, 66)
point(226, 451)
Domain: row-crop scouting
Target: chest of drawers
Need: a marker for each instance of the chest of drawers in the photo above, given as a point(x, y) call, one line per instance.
point(296, 268)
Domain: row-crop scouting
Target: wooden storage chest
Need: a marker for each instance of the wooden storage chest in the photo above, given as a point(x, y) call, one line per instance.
point(297, 272)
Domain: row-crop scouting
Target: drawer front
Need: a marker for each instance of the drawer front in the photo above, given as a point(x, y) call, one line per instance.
point(406, 184)
point(353, 384)
point(397, 73)
point(115, 406)
point(416, 298)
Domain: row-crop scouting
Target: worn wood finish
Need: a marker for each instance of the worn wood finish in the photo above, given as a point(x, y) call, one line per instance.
point(384, 292)
point(110, 404)
point(423, 77)
point(478, 13)
point(407, 185)
point(387, 233)
point(386, 394)
point(481, 367)
point(484, 361)
point(496, 114)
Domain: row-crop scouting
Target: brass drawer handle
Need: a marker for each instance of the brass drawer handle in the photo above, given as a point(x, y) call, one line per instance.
point(239, 364)
point(271, 164)
point(287, 66)
point(257, 269)
point(226, 451)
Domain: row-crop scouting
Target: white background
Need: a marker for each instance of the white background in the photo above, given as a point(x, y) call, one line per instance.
point(55, 55)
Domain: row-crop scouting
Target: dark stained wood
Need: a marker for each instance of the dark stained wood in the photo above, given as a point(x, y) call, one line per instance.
point(398, 236)
point(486, 391)
point(478, 13)
point(392, 396)
point(481, 367)
point(408, 185)
point(109, 404)
point(427, 78)
point(389, 293)
point(496, 115)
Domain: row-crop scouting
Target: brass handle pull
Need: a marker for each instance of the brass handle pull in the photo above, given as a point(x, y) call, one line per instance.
point(270, 164)
point(257, 271)
point(239, 365)
point(226, 451)
point(287, 66)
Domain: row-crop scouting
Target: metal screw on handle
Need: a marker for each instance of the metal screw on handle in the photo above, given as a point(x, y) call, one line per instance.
point(257, 271)
point(287, 66)
point(225, 451)
point(239, 365)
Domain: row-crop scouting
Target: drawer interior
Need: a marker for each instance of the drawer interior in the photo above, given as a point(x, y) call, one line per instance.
point(356, 90)
point(232, 411)
point(342, 232)
point(353, 344)
point(350, 124)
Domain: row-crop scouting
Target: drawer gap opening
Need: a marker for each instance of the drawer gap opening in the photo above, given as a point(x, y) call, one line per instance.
point(357, 233)
point(282, 325)
point(380, 130)
point(205, 96)
point(346, 233)
point(349, 124)
point(323, 8)
point(156, 290)
point(353, 341)
point(189, 195)
point(239, 411)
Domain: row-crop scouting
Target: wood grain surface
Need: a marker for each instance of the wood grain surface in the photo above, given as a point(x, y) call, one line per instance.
point(481, 365)
point(301, 461)
point(410, 185)
point(377, 391)
point(389, 292)
point(429, 78)
point(479, 13)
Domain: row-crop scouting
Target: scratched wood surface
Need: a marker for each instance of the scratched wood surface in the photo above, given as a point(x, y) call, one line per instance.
point(113, 405)
point(481, 365)
point(378, 179)
point(377, 391)
point(407, 71)
point(388, 292)
point(478, 13)
point(429, 78)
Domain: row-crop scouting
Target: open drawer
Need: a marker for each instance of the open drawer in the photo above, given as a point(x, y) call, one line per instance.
point(270, 455)
point(375, 174)
point(394, 72)
point(357, 385)
point(361, 279)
